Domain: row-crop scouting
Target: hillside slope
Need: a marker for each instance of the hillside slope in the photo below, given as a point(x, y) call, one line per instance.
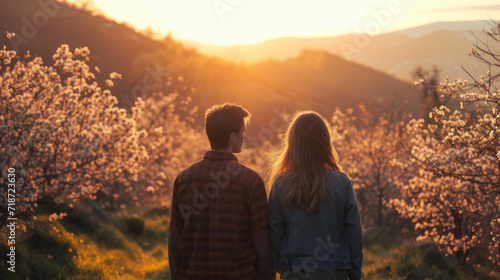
point(329, 80)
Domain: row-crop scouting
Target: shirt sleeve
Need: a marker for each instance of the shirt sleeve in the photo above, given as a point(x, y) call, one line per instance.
point(176, 216)
point(354, 232)
point(258, 211)
point(276, 226)
point(257, 206)
point(174, 234)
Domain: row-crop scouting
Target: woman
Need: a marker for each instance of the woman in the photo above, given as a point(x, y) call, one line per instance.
point(315, 225)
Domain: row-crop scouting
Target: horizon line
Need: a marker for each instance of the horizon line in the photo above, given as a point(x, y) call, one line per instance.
point(171, 33)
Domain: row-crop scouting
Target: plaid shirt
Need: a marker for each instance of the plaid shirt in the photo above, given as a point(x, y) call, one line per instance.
point(217, 206)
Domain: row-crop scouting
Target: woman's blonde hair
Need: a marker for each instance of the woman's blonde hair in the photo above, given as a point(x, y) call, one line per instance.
point(302, 157)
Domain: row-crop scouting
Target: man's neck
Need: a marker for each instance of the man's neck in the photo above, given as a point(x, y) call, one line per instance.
point(227, 150)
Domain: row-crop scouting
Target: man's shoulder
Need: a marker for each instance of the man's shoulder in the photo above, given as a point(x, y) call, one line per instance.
point(240, 173)
point(232, 168)
point(249, 173)
point(245, 169)
point(190, 169)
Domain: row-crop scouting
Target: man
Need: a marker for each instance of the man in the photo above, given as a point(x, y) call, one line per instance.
point(219, 223)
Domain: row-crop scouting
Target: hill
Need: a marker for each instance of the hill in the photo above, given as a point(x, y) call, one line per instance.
point(444, 44)
point(149, 65)
point(42, 29)
point(329, 79)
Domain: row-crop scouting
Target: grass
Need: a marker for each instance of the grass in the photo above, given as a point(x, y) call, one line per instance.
point(390, 256)
point(406, 261)
point(91, 250)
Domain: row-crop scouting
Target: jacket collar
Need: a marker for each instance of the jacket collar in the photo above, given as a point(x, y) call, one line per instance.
point(217, 155)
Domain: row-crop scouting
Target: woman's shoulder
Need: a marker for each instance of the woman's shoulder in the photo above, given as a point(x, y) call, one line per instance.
point(337, 173)
point(279, 183)
point(279, 180)
point(337, 177)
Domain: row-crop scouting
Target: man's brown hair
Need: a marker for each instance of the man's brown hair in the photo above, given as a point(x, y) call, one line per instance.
point(222, 120)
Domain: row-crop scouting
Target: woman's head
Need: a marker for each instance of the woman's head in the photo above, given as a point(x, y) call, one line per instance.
point(303, 156)
point(308, 141)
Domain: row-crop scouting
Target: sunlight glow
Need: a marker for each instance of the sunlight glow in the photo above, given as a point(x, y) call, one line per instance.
point(226, 22)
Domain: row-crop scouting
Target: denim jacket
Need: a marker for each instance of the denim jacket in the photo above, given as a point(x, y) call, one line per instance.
point(328, 239)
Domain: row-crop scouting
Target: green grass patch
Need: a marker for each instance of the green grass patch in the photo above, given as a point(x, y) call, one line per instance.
point(408, 259)
point(84, 247)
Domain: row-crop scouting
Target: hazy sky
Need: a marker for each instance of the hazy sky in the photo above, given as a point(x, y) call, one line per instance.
point(250, 21)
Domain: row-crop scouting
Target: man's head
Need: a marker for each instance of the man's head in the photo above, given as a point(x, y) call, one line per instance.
point(225, 126)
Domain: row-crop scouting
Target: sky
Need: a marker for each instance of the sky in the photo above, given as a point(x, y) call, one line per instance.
point(226, 22)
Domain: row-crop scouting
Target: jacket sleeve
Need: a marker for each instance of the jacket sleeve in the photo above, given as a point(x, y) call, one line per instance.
point(276, 226)
point(354, 232)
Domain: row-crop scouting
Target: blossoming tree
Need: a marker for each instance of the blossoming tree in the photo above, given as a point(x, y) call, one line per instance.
point(61, 132)
point(453, 197)
point(367, 143)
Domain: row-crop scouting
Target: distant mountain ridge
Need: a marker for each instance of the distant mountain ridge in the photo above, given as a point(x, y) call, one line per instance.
point(396, 53)
point(425, 29)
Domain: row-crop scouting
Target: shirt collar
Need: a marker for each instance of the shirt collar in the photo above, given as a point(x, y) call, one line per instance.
point(217, 155)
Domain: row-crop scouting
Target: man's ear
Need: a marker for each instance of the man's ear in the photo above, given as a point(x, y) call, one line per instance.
point(232, 137)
